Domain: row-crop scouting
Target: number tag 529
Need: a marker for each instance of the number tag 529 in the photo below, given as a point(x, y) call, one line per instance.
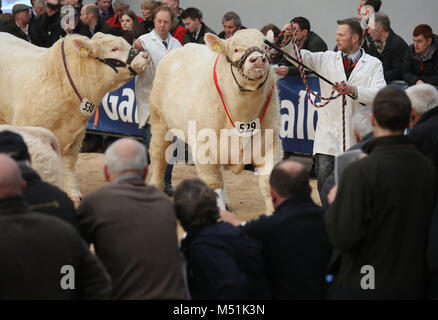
point(87, 108)
point(246, 129)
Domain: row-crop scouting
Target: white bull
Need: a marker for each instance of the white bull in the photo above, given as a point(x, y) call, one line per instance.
point(39, 87)
point(44, 151)
point(185, 95)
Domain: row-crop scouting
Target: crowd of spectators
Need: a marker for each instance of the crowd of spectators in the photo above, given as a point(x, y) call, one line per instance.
point(381, 216)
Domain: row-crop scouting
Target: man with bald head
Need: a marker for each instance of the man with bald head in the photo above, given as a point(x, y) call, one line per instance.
point(133, 228)
point(297, 249)
point(37, 249)
point(92, 22)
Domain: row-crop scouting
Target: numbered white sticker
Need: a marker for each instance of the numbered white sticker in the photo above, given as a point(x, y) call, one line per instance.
point(246, 129)
point(87, 107)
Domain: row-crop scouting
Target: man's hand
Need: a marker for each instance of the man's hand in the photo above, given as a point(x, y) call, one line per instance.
point(138, 45)
point(229, 217)
point(332, 195)
point(288, 29)
point(281, 71)
point(345, 89)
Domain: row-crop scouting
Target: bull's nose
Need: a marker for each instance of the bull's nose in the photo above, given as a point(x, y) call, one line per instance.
point(259, 59)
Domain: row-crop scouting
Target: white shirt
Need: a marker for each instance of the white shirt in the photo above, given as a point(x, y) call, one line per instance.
point(153, 43)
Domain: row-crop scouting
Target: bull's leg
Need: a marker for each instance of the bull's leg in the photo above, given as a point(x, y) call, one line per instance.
point(272, 154)
point(69, 158)
point(212, 175)
point(158, 154)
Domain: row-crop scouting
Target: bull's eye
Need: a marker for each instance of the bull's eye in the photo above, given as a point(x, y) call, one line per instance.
point(114, 49)
point(236, 50)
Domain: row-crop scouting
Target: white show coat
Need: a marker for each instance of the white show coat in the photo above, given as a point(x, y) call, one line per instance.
point(143, 85)
point(367, 76)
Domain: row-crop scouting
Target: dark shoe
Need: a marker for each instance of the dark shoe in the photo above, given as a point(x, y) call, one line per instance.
point(169, 191)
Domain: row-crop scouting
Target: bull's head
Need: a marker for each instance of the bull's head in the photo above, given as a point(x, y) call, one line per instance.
point(115, 52)
point(247, 54)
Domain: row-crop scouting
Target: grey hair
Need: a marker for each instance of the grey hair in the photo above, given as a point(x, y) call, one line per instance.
point(126, 154)
point(361, 121)
point(383, 20)
point(119, 4)
point(232, 16)
point(423, 97)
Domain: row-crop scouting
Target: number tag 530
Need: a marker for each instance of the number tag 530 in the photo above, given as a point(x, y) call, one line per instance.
point(247, 128)
point(87, 108)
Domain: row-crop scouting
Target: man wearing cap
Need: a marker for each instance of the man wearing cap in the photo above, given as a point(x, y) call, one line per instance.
point(20, 27)
point(41, 196)
point(49, 28)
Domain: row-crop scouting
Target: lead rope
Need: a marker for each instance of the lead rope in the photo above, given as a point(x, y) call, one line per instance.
point(284, 41)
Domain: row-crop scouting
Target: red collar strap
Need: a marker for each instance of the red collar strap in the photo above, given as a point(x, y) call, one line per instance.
point(223, 102)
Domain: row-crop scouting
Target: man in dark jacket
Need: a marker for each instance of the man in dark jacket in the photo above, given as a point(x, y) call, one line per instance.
point(49, 28)
point(196, 29)
point(42, 257)
point(308, 40)
point(40, 195)
point(133, 228)
point(391, 48)
point(424, 119)
point(420, 64)
point(222, 261)
point(379, 219)
point(20, 26)
point(93, 23)
point(296, 246)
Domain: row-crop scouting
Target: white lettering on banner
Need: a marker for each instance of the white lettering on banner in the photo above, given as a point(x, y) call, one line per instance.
point(288, 118)
point(118, 109)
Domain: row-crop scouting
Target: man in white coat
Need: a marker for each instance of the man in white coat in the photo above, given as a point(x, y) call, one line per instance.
point(364, 77)
point(158, 43)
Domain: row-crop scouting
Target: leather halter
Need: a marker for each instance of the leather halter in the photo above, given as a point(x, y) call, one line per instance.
point(239, 66)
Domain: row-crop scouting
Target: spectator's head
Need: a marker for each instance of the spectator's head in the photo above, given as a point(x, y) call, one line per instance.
point(195, 205)
point(89, 14)
point(120, 7)
point(173, 5)
point(125, 156)
point(349, 35)
point(6, 18)
point(361, 122)
point(289, 179)
point(272, 27)
point(104, 5)
point(192, 19)
point(424, 97)
point(376, 4)
point(39, 7)
point(11, 182)
point(13, 145)
point(52, 7)
point(148, 7)
point(302, 25)
point(21, 13)
point(423, 36)
point(391, 112)
point(75, 3)
point(163, 19)
point(127, 20)
point(382, 27)
point(231, 22)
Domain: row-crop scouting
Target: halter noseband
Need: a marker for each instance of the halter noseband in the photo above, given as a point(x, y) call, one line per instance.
point(116, 63)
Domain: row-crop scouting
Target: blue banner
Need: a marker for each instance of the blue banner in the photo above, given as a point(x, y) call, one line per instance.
point(117, 113)
point(298, 116)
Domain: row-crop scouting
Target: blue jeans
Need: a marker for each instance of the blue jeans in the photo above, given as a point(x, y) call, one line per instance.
point(324, 167)
point(169, 168)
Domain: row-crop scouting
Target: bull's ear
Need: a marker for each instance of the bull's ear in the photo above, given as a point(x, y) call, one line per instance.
point(85, 47)
point(215, 43)
point(270, 36)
